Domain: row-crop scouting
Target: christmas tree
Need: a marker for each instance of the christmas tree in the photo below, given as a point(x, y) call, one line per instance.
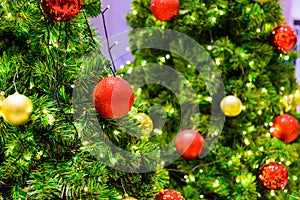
point(73, 127)
point(233, 59)
point(42, 49)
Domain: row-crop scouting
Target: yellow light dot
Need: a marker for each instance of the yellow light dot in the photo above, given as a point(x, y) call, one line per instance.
point(247, 141)
point(144, 62)
point(261, 148)
point(209, 47)
point(259, 112)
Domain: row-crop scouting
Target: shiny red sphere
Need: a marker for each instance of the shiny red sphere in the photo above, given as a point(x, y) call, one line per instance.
point(189, 144)
point(283, 38)
point(113, 97)
point(273, 176)
point(285, 127)
point(164, 10)
point(61, 10)
point(169, 195)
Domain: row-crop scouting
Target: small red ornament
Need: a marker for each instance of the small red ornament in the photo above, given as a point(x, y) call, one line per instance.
point(113, 97)
point(189, 144)
point(169, 195)
point(273, 176)
point(164, 10)
point(61, 10)
point(285, 128)
point(283, 38)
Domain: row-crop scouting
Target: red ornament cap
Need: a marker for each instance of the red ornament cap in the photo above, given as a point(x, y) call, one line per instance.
point(164, 10)
point(273, 176)
point(169, 195)
point(283, 38)
point(61, 10)
point(189, 144)
point(285, 128)
point(113, 97)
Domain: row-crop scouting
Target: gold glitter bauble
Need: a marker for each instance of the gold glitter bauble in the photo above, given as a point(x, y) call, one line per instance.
point(16, 109)
point(2, 98)
point(231, 106)
point(297, 97)
point(146, 122)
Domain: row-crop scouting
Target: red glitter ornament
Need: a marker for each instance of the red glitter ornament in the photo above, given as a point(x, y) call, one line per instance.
point(283, 38)
point(273, 176)
point(164, 10)
point(169, 195)
point(189, 144)
point(113, 97)
point(285, 128)
point(61, 10)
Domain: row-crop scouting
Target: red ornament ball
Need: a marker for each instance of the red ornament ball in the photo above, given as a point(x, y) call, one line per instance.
point(283, 38)
point(189, 144)
point(285, 127)
point(273, 176)
point(61, 10)
point(113, 97)
point(164, 10)
point(169, 195)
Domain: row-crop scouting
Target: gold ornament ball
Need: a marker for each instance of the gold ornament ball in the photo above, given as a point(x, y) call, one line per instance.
point(2, 98)
point(146, 122)
point(16, 109)
point(231, 106)
point(297, 97)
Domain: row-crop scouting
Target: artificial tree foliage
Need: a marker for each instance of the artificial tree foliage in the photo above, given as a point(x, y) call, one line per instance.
point(235, 33)
point(47, 158)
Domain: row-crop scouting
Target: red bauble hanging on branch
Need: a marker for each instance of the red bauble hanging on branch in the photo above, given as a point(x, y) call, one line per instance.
point(61, 10)
point(164, 10)
point(169, 195)
point(283, 38)
point(273, 176)
point(285, 127)
point(189, 144)
point(113, 97)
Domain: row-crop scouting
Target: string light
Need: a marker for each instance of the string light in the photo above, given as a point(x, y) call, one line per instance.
point(261, 148)
point(157, 131)
point(130, 70)
point(286, 57)
point(116, 132)
point(144, 63)
point(216, 183)
point(295, 178)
